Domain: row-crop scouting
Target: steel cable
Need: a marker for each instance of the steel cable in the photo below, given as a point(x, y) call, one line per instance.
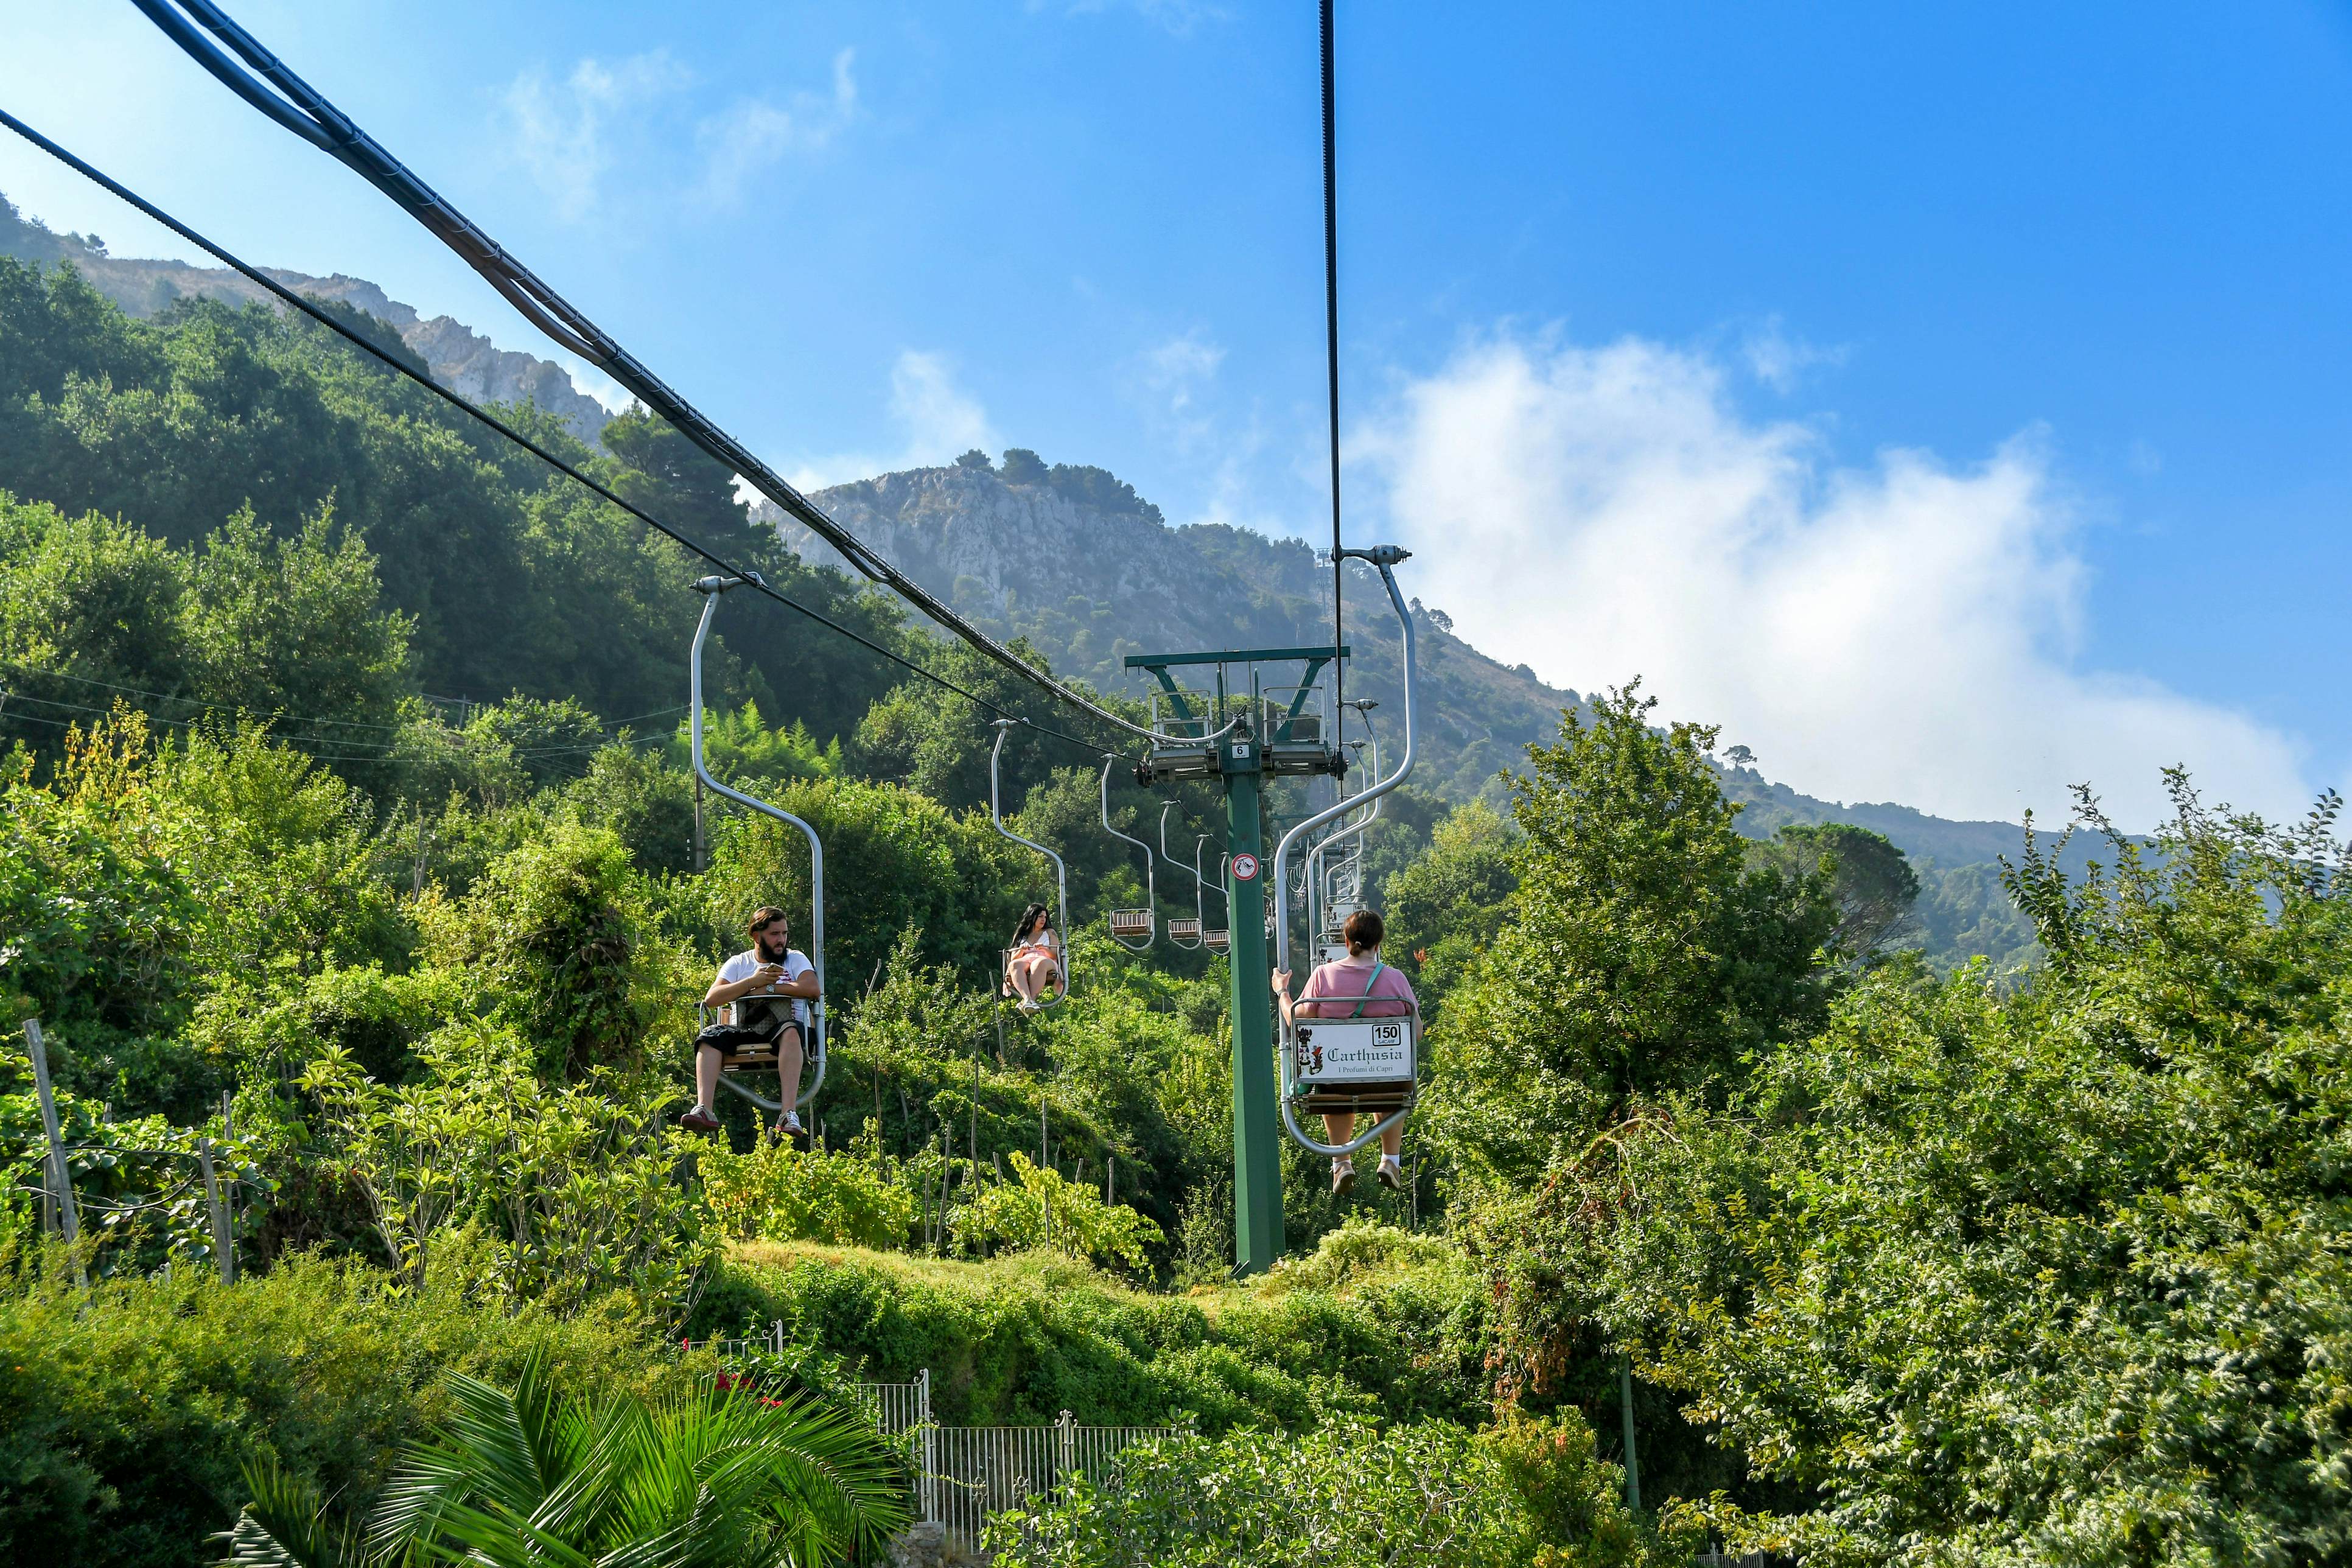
point(304, 110)
point(492, 421)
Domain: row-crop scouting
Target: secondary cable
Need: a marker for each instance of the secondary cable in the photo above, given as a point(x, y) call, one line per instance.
point(308, 307)
point(302, 109)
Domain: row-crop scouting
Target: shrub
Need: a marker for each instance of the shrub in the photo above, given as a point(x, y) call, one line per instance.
point(1345, 1496)
point(1044, 1208)
point(126, 1415)
point(775, 1193)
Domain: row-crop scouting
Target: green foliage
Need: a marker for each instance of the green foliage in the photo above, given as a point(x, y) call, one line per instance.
point(564, 948)
point(1344, 1496)
point(775, 1193)
point(1873, 883)
point(558, 1194)
point(743, 751)
point(2049, 1276)
point(1638, 953)
point(1042, 1208)
point(893, 860)
point(127, 1413)
point(1448, 905)
point(512, 578)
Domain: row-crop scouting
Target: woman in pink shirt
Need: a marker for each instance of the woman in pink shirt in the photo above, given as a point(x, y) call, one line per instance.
point(1333, 992)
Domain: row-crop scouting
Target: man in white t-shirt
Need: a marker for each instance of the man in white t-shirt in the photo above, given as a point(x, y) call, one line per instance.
point(767, 988)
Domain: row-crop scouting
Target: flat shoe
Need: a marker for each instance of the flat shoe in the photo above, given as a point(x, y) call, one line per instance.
point(695, 1121)
point(1342, 1180)
point(1392, 1177)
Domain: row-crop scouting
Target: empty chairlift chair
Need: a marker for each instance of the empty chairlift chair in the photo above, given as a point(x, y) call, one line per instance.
point(1131, 929)
point(1216, 939)
point(1185, 933)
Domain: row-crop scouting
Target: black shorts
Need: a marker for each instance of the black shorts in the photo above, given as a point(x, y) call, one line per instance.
point(743, 1040)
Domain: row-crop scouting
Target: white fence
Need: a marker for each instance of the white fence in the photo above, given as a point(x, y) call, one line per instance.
point(963, 1474)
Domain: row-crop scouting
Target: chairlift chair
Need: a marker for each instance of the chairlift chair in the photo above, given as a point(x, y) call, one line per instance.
point(730, 1065)
point(1216, 939)
point(1185, 933)
point(1347, 1064)
point(1131, 929)
point(1061, 880)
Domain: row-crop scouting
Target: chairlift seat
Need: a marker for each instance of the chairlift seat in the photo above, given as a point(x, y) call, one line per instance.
point(1130, 923)
point(1184, 930)
point(1217, 939)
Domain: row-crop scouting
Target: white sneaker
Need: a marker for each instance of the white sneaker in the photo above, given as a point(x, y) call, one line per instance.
point(1027, 1005)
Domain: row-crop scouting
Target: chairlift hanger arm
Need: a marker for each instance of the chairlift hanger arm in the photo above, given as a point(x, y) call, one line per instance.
point(302, 109)
point(712, 589)
point(1061, 874)
point(1383, 557)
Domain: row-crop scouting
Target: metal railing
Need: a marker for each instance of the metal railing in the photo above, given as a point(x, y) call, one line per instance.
point(963, 1474)
point(983, 1470)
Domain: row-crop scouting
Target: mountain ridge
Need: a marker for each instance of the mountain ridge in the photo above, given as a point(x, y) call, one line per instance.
point(458, 357)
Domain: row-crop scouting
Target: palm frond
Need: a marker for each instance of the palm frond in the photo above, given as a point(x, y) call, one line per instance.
point(285, 1526)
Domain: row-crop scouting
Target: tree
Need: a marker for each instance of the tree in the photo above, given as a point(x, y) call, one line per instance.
point(1639, 952)
point(2045, 1274)
point(293, 626)
point(1871, 879)
point(1449, 905)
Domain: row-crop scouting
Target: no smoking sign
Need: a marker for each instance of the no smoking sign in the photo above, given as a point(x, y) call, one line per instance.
point(1244, 868)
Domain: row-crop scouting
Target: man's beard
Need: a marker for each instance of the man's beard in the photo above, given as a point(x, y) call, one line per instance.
point(774, 951)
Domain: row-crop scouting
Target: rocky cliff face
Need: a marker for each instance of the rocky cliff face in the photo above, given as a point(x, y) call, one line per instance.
point(457, 357)
point(1090, 581)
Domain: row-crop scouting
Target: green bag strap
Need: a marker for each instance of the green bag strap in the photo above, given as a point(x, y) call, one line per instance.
point(1370, 981)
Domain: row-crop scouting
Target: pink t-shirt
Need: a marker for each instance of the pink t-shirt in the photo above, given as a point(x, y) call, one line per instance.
point(1390, 991)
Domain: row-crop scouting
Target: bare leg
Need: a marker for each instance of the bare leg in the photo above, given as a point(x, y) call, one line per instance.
point(1025, 970)
point(1392, 1142)
point(788, 1067)
point(706, 1078)
point(1339, 1126)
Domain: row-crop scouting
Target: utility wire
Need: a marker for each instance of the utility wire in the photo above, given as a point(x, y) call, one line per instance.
point(302, 109)
point(310, 309)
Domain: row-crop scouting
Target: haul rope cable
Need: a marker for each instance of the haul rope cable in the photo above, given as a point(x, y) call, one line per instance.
point(1332, 357)
point(298, 302)
point(304, 112)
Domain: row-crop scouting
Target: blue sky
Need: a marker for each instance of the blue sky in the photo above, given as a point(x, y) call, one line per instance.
point(1950, 400)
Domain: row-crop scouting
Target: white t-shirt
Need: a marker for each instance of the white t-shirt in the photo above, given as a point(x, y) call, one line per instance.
point(744, 965)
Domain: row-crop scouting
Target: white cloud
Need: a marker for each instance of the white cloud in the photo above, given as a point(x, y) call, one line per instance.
point(1170, 381)
point(1903, 632)
point(1778, 359)
point(560, 130)
point(1177, 17)
point(939, 419)
point(752, 135)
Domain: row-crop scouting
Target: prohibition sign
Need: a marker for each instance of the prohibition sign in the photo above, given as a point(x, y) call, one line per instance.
point(1244, 868)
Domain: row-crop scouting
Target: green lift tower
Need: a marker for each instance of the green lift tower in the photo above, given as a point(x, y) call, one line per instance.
point(1243, 737)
